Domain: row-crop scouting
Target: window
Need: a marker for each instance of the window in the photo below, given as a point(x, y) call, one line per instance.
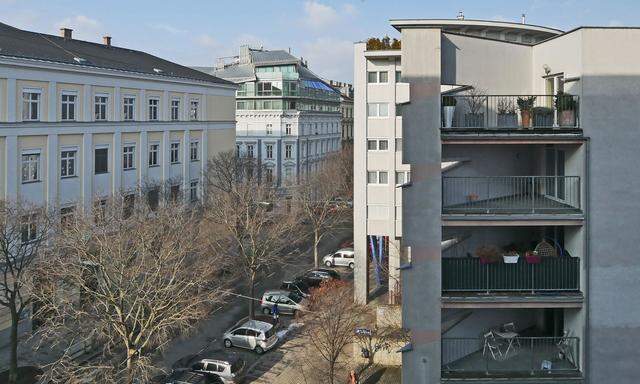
point(403, 177)
point(174, 153)
point(377, 177)
point(66, 215)
point(377, 145)
point(269, 175)
point(237, 150)
point(269, 151)
point(100, 107)
point(269, 129)
point(287, 129)
point(30, 167)
point(194, 153)
point(175, 109)
point(398, 145)
point(68, 103)
point(398, 76)
point(31, 105)
point(129, 105)
point(128, 157)
point(372, 77)
point(193, 191)
point(377, 109)
point(68, 163)
point(288, 174)
point(153, 198)
point(378, 77)
point(383, 77)
point(154, 149)
point(153, 109)
point(128, 205)
point(28, 229)
point(250, 150)
point(194, 105)
point(288, 151)
point(101, 160)
point(174, 192)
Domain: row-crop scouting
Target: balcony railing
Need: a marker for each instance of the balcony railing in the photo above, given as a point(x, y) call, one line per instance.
point(465, 274)
point(510, 112)
point(510, 194)
point(518, 357)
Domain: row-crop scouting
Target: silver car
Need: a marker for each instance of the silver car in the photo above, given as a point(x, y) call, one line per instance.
point(341, 258)
point(288, 302)
point(255, 335)
point(228, 369)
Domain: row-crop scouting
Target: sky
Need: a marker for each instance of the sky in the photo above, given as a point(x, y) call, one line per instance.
point(196, 32)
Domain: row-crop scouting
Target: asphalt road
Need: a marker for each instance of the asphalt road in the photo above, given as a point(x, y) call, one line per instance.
point(205, 340)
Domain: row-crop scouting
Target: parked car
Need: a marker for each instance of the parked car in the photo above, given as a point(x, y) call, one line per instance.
point(185, 376)
point(299, 287)
point(228, 368)
point(259, 336)
point(341, 258)
point(315, 277)
point(346, 244)
point(288, 302)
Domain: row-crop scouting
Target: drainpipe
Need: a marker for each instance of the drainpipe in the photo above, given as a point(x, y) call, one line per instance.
point(587, 189)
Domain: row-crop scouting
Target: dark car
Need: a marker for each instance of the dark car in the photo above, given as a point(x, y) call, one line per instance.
point(299, 287)
point(185, 376)
point(315, 277)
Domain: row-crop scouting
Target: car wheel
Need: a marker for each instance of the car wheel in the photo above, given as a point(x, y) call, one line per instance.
point(293, 312)
point(227, 343)
point(327, 263)
point(351, 265)
point(258, 349)
point(266, 311)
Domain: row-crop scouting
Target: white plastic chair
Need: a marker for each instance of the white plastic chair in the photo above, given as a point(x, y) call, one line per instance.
point(492, 345)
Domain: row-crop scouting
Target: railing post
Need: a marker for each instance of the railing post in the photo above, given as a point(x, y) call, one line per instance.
point(532, 358)
point(533, 277)
point(533, 203)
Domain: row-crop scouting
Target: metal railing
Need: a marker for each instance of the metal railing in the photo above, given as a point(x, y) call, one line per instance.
point(510, 194)
point(463, 274)
point(510, 111)
point(518, 356)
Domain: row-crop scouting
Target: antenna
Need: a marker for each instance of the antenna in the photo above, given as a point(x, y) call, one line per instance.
point(524, 17)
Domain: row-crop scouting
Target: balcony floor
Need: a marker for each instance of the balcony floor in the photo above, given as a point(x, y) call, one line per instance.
point(554, 299)
point(513, 204)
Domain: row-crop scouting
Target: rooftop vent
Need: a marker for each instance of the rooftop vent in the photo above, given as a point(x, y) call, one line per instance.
point(158, 70)
point(106, 40)
point(67, 33)
point(524, 18)
point(80, 60)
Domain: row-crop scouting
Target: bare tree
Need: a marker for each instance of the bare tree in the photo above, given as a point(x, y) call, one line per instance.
point(330, 325)
point(139, 279)
point(251, 220)
point(324, 198)
point(375, 336)
point(24, 231)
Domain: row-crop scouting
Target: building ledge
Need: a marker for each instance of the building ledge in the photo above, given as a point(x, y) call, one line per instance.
point(569, 299)
point(468, 220)
point(452, 378)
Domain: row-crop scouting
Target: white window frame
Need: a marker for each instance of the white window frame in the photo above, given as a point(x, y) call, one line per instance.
point(66, 104)
point(194, 149)
point(377, 145)
point(102, 146)
point(153, 108)
point(378, 177)
point(193, 190)
point(268, 151)
point(194, 109)
point(373, 110)
point(288, 151)
point(38, 103)
point(154, 154)
point(269, 129)
point(175, 108)
point(406, 177)
point(96, 104)
point(69, 170)
point(126, 106)
point(129, 156)
point(268, 175)
point(174, 148)
point(31, 159)
point(251, 151)
point(28, 222)
point(287, 129)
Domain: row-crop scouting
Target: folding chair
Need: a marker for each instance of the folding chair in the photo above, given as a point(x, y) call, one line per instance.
point(492, 345)
point(511, 327)
point(564, 348)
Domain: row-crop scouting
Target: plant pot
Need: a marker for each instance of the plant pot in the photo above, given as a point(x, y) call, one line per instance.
point(474, 120)
point(532, 258)
point(510, 259)
point(448, 115)
point(488, 260)
point(567, 118)
point(542, 117)
point(507, 120)
point(525, 116)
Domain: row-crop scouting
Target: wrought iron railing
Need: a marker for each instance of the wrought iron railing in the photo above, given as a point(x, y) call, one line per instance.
point(510, 111)
point(516, 356)
point(464, 274)
point(510, 194)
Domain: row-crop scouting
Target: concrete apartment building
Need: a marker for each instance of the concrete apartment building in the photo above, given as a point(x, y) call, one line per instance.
point(287, 116)
point(346, 109)
point(81, 121)
point(519, 140)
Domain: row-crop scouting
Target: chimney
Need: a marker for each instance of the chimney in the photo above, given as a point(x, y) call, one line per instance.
point(460, 15)
point(106, 40)
point(66, 33)
point(524, 18)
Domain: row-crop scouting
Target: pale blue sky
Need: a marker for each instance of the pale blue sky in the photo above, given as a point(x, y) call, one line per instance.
point(195, 32)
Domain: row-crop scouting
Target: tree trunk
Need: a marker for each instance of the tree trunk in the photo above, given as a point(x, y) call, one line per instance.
point(316, 240)
point(13, 360)
point(252, 290)
point(130, 365)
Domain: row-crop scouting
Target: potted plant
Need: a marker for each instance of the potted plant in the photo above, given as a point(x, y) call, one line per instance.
point(488, 254)
point(510, 257)
point(476, 101)
point(566, 106)
point(542, 116)
point(525, 105)
point(449, 107)
point(532, 257)
point(506, 113)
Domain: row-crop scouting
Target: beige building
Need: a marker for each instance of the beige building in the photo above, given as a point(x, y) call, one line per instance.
point(495, 199)
point(81, 121)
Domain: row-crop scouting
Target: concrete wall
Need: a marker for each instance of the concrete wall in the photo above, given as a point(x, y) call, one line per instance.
point(422, 232)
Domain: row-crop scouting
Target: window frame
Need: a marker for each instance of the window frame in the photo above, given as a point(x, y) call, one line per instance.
point(175, 108)
point(38, 102)
point(126, 106)
point(378, 177)
point(377, 114)
point(153, 109)
point(154, 153)
point(66, 160)
point(96, 104)
point(95, 151)
point(194, 109)
point(193, 191)
point(129, 157)
point(288, 151)
point(195, 158)
point(31, 159)
point(64, 103)
point(174, 146)
point(268, 151)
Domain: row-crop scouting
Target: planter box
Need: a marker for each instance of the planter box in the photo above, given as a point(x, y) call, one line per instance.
point(474, 120)
point(510, 259)
point(543, 118)
point(507, 120)
point(567, 118)
point(532, 259)
point(448, 115)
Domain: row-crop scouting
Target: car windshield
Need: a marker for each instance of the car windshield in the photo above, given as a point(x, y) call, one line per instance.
point(295, 297)
point(237, 365)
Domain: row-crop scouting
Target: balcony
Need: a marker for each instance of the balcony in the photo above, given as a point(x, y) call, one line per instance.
point(520, 357)
point(496, 195)
point(503, 113)
point(551, 274)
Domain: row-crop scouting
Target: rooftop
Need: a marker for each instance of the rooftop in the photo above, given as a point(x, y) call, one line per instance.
point(21, 44)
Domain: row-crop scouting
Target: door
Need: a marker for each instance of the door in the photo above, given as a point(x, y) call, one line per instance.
point(252, 338)
point(338, 259)
point(239, 338)
point(348, 259)
point(286, 305)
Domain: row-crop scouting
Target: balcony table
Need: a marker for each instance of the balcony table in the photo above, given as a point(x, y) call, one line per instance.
point(510, 337)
